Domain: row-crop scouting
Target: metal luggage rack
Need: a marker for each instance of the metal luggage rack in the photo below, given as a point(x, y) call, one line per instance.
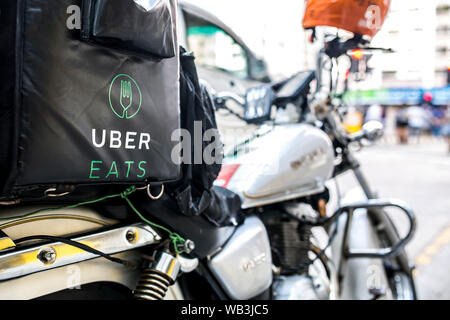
point(377, 204)
point(20, 261)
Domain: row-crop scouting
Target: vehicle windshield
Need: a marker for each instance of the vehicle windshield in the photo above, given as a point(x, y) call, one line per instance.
point(214, 48)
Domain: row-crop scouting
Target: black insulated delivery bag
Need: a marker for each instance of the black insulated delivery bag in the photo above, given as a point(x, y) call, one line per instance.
point(89, 94)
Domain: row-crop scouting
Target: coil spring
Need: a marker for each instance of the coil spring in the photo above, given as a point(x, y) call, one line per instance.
point(152, 285)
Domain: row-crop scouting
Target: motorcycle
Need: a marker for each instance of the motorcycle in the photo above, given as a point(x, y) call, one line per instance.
point(282, 176)
point(287, 175)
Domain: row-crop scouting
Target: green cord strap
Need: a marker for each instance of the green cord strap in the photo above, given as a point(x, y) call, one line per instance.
point(176, 239)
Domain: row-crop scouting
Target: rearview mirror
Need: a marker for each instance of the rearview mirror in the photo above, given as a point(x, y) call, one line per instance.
point(258, 70)
point(373, 130)
point(258, 104)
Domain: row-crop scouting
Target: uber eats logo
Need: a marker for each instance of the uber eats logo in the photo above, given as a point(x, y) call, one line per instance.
point(125, 100)
point(125, 97)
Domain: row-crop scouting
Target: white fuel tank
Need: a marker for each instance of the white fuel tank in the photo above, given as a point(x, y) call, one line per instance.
point(286, 162)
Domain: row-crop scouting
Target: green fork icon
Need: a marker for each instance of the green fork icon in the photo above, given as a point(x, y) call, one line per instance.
point(126, 96)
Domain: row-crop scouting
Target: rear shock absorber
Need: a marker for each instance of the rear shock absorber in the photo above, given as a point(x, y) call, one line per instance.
point(157, 277)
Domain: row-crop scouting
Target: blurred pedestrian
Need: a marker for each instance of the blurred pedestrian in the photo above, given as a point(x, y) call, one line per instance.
point(446, 127)
point(418, 121)
point(401, 123)
point(438, 114)
point(374, 112)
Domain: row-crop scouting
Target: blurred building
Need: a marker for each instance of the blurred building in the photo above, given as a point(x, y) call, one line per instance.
point(419, 33)
point(442, 64)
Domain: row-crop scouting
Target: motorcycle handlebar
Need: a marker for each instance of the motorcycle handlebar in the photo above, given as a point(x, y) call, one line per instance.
point(221, 97)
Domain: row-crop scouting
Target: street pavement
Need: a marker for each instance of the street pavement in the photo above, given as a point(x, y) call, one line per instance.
point(418, 173)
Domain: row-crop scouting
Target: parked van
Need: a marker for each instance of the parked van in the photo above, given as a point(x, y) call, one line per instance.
point(222, 58)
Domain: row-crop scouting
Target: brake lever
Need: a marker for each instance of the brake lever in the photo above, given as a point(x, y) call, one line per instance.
point(336, 47)
point(222, 97)
point(356, 137)
point(385, 50)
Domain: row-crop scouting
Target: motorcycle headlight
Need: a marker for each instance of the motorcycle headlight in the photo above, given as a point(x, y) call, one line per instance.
point(258, 104)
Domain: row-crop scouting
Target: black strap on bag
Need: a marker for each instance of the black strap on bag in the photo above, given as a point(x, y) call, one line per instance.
point(224, 209)
point(192, 192)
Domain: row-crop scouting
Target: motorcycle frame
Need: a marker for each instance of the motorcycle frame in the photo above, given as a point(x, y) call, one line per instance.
point(369, 202)
point(378, 217)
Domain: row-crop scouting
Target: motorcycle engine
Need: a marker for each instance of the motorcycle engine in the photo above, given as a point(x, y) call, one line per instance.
point(291, 242)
